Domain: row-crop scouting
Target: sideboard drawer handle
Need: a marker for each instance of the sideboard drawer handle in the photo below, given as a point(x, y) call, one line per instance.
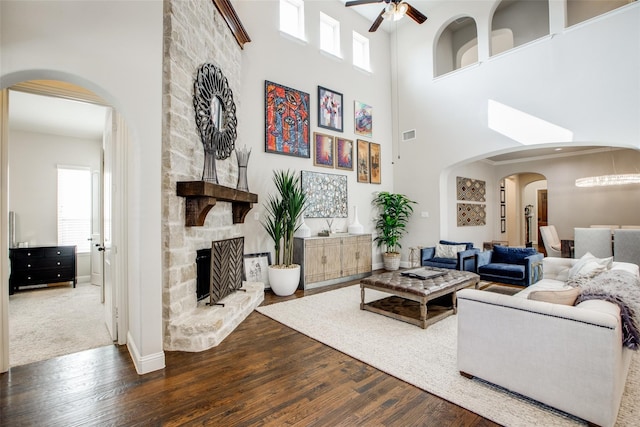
point(58, 274)
point(58, 252)
point(28, 253)
point(58, 262)
point(28, 265)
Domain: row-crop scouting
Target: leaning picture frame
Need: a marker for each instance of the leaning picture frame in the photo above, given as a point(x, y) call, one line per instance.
point(344, 153)
point(287, 121)
point(330, 114)
point(363, 161)
point(323, 150)
point(256, 267)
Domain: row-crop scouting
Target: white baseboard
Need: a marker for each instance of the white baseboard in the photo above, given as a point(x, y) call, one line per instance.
point(144, 365)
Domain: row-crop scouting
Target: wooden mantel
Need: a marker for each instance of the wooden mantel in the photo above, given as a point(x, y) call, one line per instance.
point(202, 196)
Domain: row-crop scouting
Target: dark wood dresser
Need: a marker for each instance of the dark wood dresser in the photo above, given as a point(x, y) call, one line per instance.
point(42, 265)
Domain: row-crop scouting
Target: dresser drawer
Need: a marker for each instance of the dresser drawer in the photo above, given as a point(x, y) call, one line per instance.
point(27, 253)
point(42, 263)
point(59, 251)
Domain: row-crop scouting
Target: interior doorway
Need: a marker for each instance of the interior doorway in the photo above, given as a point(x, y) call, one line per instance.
point(75, 95)
point(523, 208)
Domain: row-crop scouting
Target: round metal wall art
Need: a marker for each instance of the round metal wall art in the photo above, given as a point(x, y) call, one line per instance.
point(215, 111)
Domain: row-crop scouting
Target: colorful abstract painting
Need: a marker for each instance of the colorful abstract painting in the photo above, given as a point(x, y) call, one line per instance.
point(344, 154)
point(323, 150)
point(329, 109)
point(287, 129)
point(363, 119)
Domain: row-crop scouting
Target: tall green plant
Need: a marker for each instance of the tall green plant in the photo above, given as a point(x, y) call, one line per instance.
point(283, 213)
point(395, 211)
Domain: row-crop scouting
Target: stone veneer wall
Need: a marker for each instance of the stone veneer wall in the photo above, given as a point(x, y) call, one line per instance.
point(194, 33)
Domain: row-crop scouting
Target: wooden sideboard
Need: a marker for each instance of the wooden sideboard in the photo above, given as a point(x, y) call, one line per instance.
point(42, 265)
point(334, 259)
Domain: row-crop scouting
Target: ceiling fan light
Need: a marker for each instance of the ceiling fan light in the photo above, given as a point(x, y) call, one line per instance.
point(605, 180)
point(395, 11)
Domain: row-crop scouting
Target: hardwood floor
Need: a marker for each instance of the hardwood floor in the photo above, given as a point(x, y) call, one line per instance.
point(264, 373)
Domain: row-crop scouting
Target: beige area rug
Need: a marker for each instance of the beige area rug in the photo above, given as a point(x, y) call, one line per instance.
point(53, 321)
point(425, 358)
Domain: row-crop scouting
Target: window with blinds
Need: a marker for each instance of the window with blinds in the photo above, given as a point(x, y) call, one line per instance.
point(74, 207)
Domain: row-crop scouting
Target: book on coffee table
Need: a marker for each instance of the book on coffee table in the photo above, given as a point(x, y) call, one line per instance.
point(423, 273)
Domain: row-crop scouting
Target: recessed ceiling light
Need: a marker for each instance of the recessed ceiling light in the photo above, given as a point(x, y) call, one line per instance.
point(559, 149)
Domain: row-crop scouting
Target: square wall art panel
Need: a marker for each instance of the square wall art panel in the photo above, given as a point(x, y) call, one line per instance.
point(470, 215)
point(472, 190)
point(326, 194)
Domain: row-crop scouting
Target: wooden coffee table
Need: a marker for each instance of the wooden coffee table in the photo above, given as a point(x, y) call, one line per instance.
point(414, 293)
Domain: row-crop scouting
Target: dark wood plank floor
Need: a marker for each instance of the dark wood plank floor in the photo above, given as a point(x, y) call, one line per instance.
point(262, 374)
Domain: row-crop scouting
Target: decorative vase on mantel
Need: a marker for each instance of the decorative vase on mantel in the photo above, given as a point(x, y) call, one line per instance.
point(355, 227)
point(242, 156)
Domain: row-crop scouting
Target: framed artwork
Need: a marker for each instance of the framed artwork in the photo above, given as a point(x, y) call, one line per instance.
point(255, 267)
point(329, 109)
point(502, 196)
point(503, 225)
point(471, 214)
point(323, 150)
point(362, 119)
point(344, 153)
point(374, 163)
point(326, 195)
point(470, 189)
point(503, 211)
point(287, 122)
point(363, 161)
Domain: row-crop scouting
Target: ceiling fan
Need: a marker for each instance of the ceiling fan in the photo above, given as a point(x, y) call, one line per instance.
point(394, 10)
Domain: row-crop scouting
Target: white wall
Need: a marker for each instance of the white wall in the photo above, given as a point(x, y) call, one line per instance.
point(553, 79)
point(33, 161)
point(115, 50)
point(301, 65)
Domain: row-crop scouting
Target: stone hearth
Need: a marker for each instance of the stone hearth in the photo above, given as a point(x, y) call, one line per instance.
point(206, 326)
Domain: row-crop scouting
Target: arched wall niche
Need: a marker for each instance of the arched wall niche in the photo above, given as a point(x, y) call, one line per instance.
point(452, 36)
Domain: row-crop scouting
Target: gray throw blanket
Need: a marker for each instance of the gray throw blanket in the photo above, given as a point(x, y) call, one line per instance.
point(618, 287)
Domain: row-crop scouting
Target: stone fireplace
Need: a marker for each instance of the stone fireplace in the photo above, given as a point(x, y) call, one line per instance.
point(195, 33)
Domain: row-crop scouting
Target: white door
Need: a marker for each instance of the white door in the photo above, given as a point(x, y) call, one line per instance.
point(96, 230)
point(109, 290)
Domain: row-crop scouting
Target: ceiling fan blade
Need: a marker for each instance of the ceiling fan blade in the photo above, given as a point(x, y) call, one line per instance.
point(415, 14)
point(359, 2)
point(378, 21)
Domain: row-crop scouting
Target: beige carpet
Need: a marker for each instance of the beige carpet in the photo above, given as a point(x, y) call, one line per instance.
point(49, 322)
point(425, 358)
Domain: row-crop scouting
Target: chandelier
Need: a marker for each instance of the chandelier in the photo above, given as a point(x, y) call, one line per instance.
point(602, 180)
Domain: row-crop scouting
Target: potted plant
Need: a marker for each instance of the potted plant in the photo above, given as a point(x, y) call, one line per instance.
point(395, 211)
point(281, 222)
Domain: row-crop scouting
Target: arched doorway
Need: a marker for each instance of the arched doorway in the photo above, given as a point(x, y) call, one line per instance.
point(113, 291)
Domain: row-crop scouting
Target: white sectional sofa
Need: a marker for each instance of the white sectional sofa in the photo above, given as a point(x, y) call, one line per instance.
point(568, 357)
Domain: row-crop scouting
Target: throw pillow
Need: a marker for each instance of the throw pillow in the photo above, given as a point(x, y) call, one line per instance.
point(448, 251)
point(590, 265)
point(565, 297)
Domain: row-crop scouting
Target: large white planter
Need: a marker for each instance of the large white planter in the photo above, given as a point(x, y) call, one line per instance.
point(284, 281)
point(391, 261)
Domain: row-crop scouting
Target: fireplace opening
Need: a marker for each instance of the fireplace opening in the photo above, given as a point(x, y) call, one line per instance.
point(219, 269)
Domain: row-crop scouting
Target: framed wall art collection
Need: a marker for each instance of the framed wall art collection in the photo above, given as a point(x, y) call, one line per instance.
point(288, 131)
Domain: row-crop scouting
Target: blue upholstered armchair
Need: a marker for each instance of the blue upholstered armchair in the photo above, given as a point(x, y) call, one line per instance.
point(453, 255)
point(515, 266)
